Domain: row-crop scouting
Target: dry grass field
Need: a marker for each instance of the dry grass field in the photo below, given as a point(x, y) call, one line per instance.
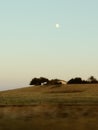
point(72, 107)
point(66, 94)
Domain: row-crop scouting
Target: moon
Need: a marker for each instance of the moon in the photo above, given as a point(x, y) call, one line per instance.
point(57, 25)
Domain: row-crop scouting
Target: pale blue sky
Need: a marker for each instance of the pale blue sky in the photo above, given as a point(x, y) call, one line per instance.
point(31, 46)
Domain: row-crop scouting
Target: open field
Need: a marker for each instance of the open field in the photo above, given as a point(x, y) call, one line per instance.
point(49, 117)
point(66, 94)
point(73, 107)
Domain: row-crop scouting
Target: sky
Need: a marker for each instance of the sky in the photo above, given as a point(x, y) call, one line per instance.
point(31, 45)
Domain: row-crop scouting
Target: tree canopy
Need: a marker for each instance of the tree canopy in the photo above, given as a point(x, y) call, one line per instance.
point(38, 81)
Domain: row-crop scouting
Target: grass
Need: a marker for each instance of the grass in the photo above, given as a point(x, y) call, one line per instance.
point(49, 117)
point(66, 94)
point(50, 107)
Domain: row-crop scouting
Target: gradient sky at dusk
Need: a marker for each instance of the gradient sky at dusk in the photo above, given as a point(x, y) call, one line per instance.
point(31, 45)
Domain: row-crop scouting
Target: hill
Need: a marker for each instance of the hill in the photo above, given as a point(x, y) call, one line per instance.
point(50, 107)
point(66, 94)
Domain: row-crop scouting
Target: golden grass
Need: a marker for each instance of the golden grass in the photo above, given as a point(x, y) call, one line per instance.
point(84, 93)
point(49, 117)
point(72, 107)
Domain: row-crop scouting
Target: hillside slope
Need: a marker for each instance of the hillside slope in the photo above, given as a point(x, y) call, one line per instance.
point(66, 94)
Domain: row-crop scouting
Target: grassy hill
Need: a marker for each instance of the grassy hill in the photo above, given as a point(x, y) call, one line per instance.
point(66, 94)
point(50, 107)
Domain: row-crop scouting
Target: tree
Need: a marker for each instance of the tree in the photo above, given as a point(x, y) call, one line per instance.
point(92, 79)
point(76, 80)
point(35, 81)
point(43, 80)
point(38, 81)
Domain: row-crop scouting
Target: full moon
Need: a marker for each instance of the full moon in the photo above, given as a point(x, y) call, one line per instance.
point(57, 25)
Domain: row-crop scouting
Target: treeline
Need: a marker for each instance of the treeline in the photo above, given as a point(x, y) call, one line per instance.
point(77, 80)
point(44, 81)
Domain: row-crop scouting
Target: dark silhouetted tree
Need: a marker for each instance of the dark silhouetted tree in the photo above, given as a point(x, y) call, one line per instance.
point(38, 81)
point(92, 79)
point(76, 80)
point(43, 80)
point(35, 81)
